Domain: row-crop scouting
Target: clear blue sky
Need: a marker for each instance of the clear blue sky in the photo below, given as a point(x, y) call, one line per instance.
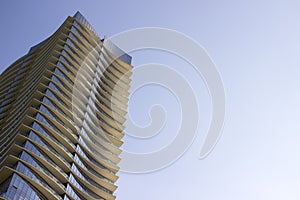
point(256, 46)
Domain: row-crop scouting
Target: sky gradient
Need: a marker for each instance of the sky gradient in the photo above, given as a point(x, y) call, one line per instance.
point(255, 45)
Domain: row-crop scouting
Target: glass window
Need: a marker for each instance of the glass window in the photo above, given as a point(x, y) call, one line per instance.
point(4, 108)
point(75, 31)
point(71, 35)
point(64, 60)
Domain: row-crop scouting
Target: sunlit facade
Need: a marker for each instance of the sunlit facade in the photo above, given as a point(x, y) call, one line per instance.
point(62, 110)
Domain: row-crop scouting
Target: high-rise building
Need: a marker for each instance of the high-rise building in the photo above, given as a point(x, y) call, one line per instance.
point(62, 110)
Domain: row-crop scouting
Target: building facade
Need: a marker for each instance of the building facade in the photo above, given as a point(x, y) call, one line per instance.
point(62, 110)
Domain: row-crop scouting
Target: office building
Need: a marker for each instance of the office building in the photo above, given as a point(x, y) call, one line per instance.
point(62, 110)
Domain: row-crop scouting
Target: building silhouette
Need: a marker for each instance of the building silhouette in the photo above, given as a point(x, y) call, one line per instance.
point(62, 110)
